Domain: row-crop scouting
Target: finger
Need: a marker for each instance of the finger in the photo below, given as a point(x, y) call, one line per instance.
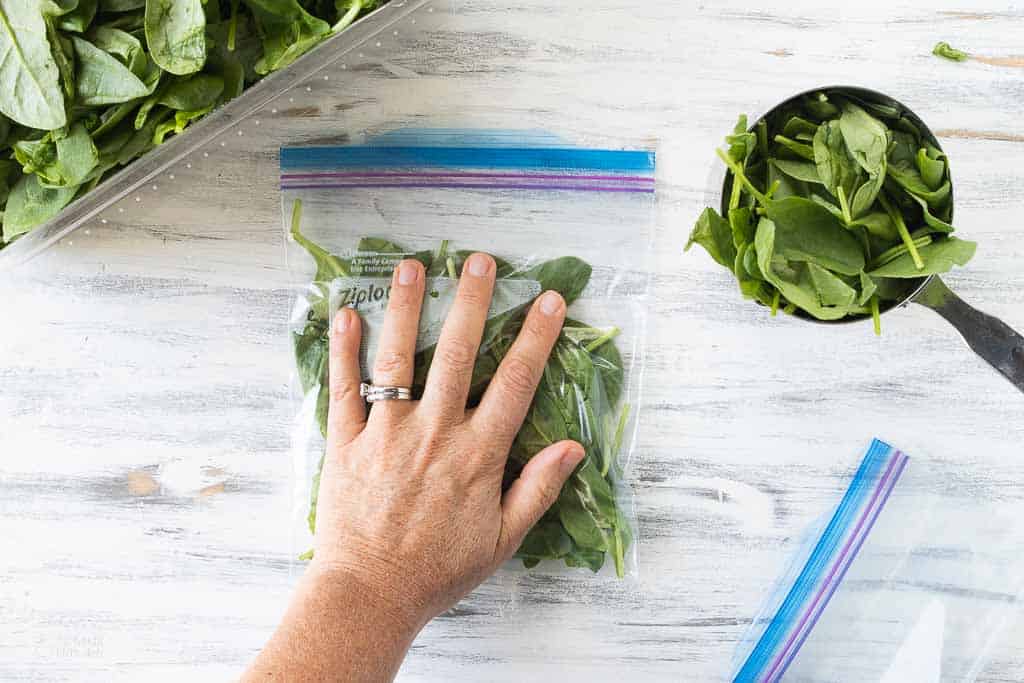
point(393, 365)
point(346, 414)
point(534, 492)
point(452, 367)
point(508, 397)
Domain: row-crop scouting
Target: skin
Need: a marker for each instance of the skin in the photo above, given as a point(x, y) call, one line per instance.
point(411, 515)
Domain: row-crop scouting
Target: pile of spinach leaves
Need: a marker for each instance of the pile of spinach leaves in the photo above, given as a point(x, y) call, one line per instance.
point(87, 86)
point(578, 398)
point(834, 206)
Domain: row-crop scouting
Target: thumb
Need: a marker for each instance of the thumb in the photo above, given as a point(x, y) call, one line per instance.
point(534, 492)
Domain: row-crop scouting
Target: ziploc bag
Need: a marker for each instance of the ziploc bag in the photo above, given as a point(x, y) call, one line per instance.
point(578, 221)
point(905, 582)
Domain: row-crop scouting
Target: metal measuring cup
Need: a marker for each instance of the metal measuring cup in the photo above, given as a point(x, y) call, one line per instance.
point(992, 339)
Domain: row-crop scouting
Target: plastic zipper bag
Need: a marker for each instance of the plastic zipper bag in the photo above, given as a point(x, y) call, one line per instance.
point(903, 583)
point(578, 221)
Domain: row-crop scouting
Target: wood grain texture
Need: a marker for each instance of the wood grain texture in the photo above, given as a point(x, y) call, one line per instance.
point(145, 475)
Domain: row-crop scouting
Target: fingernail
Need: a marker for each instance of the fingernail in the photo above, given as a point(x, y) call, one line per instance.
point(408, 271)
point(570, 459)
point(342, 321)
point(479, 265)
point(551, 303)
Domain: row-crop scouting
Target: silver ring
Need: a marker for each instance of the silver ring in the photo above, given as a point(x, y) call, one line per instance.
point(372, 393)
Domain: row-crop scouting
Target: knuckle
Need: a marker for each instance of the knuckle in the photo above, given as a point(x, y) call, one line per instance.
point(537, 328)
point(458, 354)
point(390, 362)
point(341, 392)
point(549, 491)
point(519, 377)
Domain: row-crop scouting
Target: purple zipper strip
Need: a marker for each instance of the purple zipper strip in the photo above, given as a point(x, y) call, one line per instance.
point(835, 568)
point(480, 186)
point(539, 176)
point(848, 564)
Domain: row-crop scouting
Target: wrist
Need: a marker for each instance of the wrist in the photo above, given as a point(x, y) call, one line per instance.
point(364, 593)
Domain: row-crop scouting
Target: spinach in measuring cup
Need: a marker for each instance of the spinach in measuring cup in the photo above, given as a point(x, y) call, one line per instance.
point(834, 207)
point(579, 396)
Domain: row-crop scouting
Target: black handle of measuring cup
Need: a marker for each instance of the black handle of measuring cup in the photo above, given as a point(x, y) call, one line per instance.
point(990, 337)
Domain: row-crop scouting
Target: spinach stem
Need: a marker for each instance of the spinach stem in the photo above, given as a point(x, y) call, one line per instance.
point(901, 228)
point(350, 15)
point(797, 148)
point(734, 195)
point(875, 315)
point(620, 430)
point(600, 341)
point(442, 253)
point(451, 268)
point(899, 250)
point(738, 174)
point(771, 190)
point(844, 205)
point(232, 25)
point(620, 552)
point(775, 302)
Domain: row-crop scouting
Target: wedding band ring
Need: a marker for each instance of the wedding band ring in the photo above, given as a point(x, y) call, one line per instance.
point(372, 393)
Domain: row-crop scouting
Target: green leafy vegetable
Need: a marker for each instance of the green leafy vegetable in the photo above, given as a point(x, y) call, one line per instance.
point(64, 162)
point(947, 51)
point(78, 19)
point(176, 34)
point(579, 396)
point(30, 203)
point(29, 77)
point(92, 84)
point(102, 79)
point(834, 206)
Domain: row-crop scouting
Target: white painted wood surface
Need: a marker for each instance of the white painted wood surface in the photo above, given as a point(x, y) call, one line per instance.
point(144, 467)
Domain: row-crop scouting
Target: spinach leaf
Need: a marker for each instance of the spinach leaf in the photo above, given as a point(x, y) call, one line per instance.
point(28, 74)
point(197, 92)
point(800, 170)
point(176, 35)
point(865, 138)
point(112, 116)
point(78, 20)
point(30, 203)
point(122, 45)
point(836, 167)
point(121, 5)
point(714, 234)
point(102, 79)
point(805, 231)
point(931, 164)
point(288, 30)
point(947, 51)
point(62, 162)
point(548, 540)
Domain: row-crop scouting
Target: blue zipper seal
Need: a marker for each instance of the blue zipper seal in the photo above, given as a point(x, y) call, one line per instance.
point(807, 582)
point(639, 162)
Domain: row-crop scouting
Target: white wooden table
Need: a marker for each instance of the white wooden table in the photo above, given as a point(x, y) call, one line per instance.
point(144, 466)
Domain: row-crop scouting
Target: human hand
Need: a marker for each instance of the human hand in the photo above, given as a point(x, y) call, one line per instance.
point(410, 503)
point(410, 513)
